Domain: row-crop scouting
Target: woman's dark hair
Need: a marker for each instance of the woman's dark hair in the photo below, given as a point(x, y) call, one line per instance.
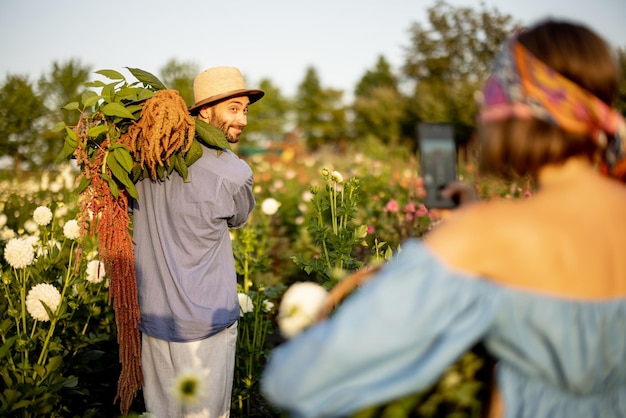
point(519, 147)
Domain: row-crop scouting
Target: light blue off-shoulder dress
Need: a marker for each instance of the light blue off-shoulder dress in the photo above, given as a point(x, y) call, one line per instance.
point(556, 357)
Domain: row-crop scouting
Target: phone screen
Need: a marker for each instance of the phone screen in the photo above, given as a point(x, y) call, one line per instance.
point(437, 161)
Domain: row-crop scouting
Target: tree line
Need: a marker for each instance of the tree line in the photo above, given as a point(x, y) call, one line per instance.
point(446, 62)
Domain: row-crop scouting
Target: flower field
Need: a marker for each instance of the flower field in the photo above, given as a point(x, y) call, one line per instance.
point(318, 217)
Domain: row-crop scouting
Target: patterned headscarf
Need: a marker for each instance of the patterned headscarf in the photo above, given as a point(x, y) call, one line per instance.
point(522, 86)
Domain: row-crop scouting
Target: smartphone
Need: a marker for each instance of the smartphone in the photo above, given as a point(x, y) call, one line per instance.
point(438, 162)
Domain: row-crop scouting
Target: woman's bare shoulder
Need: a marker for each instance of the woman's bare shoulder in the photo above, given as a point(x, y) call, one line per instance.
point(539, 244)
point(464, 237)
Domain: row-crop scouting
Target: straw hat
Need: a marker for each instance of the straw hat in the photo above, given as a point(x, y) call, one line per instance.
point(219, 83)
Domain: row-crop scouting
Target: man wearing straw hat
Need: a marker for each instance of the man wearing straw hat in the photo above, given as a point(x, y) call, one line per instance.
point(187, 284)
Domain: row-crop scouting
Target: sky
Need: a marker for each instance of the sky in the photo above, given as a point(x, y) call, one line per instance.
point(273, 39)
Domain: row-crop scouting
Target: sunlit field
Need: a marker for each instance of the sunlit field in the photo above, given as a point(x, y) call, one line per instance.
point(318, 217)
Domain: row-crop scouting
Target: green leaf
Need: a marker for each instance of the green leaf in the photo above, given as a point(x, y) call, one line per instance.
point(21, 404)
point(91, 100)
point(170, 166)
point(181, 166)
point(122, 155)
point(147, 78)
point(66, 152)
point(145, 95)
point(137, 173)
point(122, 175)
point(6, 347)
point(160, 172)
point(111, 74)
point(54, 363)
point(95, 84)
point(84, 182)
point(134, 108)
point(39, 369)
point(87, 94)
point(112, 185)
point(107, 92)
point(210, 136)
point(360, 232)
point(71, 136)
point(59, 127)
point(129, 93)
point(97, 130)
point(71, 382)
point(117, 170)
point(116, 109)
point(194, 153)
point(71, 106)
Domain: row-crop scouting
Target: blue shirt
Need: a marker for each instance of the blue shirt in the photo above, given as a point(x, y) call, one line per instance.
point(396, 335)
point(186, 278)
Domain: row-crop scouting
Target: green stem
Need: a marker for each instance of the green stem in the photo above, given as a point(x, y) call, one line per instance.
point(17, 323)
point(326, 256)
point(333, 206)
point(23, 299)
point(82, 333)
point(345, 215)
point(246, 273)
point(342, 224)
point(104, 162)
point(84, 330)
point(32, 332)
point(10, 302)
point(25, 361)
point(53, 321)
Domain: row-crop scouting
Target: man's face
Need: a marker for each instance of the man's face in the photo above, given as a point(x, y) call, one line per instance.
point(229, 116)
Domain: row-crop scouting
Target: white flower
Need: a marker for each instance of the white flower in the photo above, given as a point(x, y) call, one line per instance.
point(61, 210)
point(299, 307)
point(45, 250)
point(31, 226)
point(42, 293)
point(336, 177)
point(19, 253)
point(95, 271)
point(277, 185)
point(56, 187)
point(245, 304)
point(3, 219)
point(33, 240)
point(267, 305)
point(66, 176)
point(45, 181)
point(71, 230)
point(7, 233)
point(270, 206)
point(189, 387)
point(42, 215)
point(307, 196)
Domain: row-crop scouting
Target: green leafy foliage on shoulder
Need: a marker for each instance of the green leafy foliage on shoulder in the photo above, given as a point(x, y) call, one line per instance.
point(107, 111)
point(210, 136)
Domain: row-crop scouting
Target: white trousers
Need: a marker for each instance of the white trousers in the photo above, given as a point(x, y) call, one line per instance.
point(211, 359)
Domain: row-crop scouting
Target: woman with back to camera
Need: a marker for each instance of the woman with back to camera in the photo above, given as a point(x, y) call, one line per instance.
point(541, 282)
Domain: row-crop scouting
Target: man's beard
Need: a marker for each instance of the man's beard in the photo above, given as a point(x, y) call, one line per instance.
point(222, 125)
